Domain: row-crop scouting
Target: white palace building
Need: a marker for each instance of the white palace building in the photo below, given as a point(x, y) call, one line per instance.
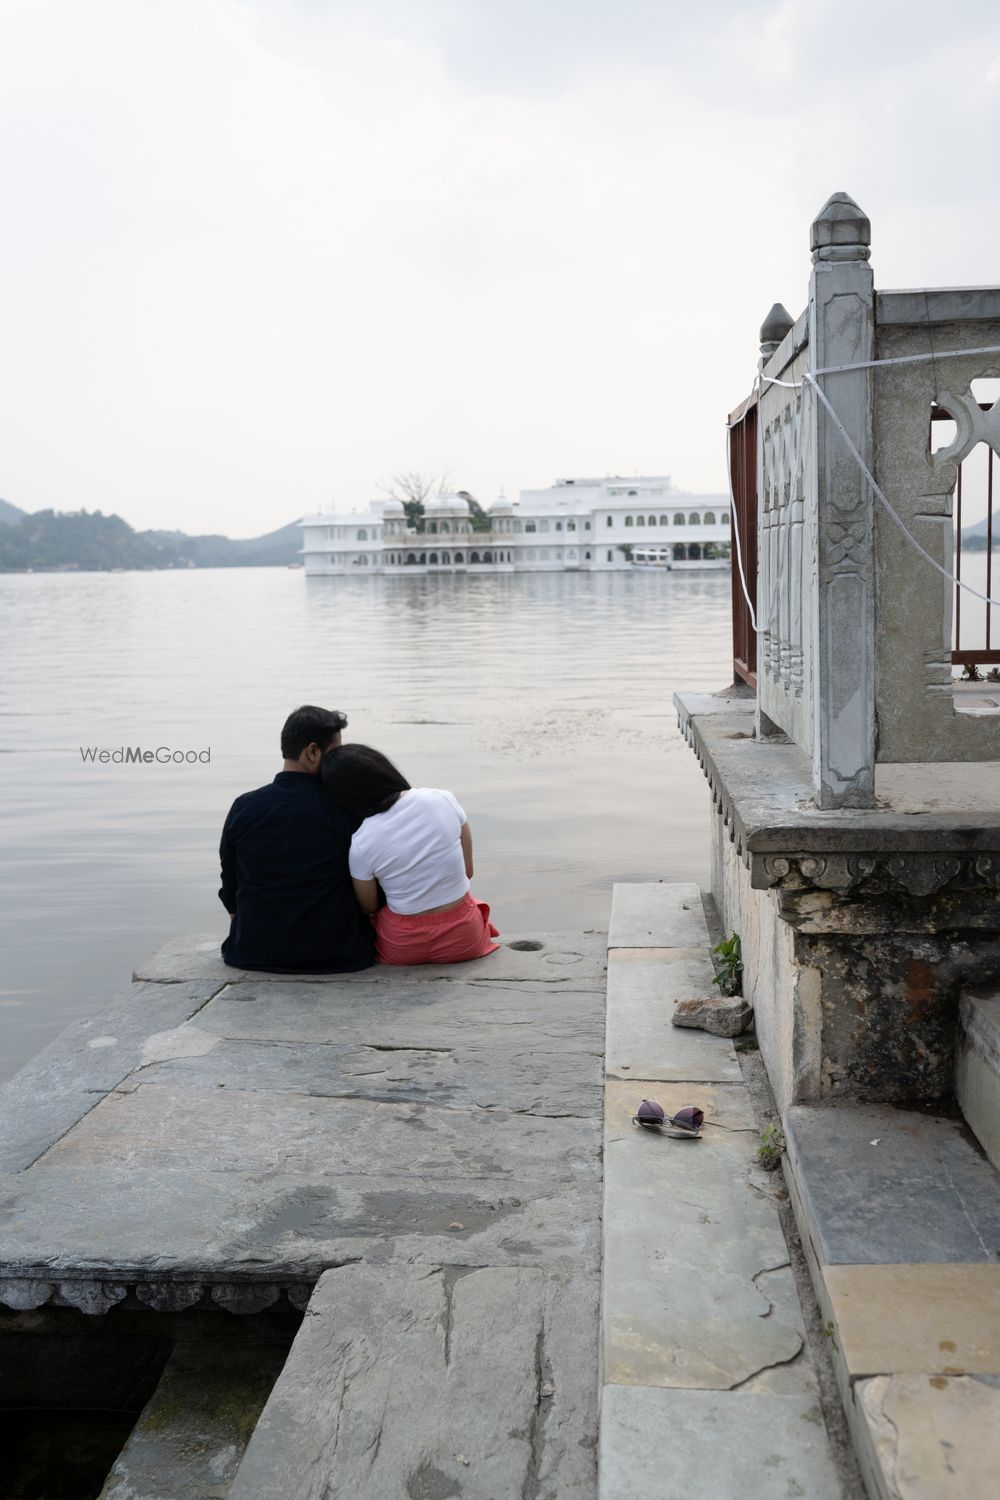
point(587, 525)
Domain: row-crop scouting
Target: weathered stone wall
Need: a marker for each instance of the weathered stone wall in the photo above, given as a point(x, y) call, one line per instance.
point(856, 991)
point(782, 993)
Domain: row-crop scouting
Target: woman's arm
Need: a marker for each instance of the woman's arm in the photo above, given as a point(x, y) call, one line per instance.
point(367, 894)
point(466, 841)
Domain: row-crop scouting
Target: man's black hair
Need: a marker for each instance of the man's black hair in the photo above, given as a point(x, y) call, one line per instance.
point(309, 725)
point(361, 780)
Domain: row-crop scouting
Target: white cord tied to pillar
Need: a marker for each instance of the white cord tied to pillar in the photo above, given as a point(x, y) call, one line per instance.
point(810, 381)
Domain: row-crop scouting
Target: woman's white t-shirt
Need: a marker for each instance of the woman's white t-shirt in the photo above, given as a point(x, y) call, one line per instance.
point(413, 851)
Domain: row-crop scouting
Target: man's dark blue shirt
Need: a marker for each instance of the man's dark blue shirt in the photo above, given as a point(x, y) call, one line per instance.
point(285, 876)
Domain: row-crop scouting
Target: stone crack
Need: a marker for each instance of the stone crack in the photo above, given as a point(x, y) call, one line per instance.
point(775, 1364)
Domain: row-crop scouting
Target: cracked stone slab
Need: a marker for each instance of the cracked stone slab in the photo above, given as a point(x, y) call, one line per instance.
point(643, 988)
point(877, 1185)
point(284, 1227)
point(675, 1445)
point(913, 1320)
point(698, 1291)
point(657, 914)
point(64, 1082)
point(433, 1383)
point(163, 1130)
point(413, 1015)
point(929, 1437)
point(555, 957)
point(497, 1077)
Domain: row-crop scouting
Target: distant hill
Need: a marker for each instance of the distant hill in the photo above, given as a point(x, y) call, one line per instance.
point(974, 537)
point(276, 549)
point(9, 514)
point(65, 541)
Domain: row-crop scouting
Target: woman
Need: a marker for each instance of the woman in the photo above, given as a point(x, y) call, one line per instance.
point(415, 842)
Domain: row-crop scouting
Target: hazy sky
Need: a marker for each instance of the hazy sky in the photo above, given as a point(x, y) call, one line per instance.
point(258, 255)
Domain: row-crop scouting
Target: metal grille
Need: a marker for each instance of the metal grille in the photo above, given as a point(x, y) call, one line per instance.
point(973, 628)
point(743, 481)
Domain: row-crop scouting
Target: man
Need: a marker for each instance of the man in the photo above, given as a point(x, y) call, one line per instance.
point(285, 880)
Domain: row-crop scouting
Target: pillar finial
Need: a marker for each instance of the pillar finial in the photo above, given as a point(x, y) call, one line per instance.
point(841, 231)
point(773, 329)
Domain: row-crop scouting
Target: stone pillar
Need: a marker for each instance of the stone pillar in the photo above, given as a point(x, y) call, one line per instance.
point(841, 331)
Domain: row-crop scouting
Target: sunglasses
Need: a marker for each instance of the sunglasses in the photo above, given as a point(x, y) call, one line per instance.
point(688, 1120)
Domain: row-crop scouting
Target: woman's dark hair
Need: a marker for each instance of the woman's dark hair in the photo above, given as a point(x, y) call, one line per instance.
point(361, 780)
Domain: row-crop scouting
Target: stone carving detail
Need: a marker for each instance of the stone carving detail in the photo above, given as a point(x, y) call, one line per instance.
point(25, 1296)
point(831, 872)
point(920, 875)
point(973, 426)
point(92, 1297)
point(917, 875)
point(95, 1297)
point(780, 650)
point(247, 1297)
point(170, 1296)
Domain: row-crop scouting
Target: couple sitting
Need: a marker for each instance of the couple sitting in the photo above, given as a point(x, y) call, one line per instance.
point(339, 862)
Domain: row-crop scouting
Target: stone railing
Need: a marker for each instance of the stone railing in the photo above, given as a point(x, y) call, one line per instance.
point(919, 716)
point(854, 651)
point(784, 589)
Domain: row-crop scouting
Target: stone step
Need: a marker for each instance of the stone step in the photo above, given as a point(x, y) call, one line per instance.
point(900, 1220)
point(475, 1382)
point(657, 914)
point(707, 1386)
point(977, 1067)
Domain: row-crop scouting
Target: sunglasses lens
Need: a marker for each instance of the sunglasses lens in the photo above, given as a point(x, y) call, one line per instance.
point(650, 1113)
point(690, 1117)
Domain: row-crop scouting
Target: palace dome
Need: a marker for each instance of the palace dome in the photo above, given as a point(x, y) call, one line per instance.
point(446, 505)
point(501, 507)
point(392, 508)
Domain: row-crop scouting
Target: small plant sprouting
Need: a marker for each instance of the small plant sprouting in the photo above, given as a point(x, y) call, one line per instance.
point(770, 1148)
point(729, 965)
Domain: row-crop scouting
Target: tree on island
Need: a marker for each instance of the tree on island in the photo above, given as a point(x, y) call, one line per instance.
point(480, 518)
point(413, 489)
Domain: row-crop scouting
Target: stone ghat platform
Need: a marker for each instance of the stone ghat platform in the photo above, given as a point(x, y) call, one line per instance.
point(412, 1156)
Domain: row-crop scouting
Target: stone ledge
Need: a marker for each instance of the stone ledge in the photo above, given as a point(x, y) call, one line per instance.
point(900, 1224)
point(539, 956)
point(883, 1186)
point(944, 304)
point(762, 790)
point(929, 1439)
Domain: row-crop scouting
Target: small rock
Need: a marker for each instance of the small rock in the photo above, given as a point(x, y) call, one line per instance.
point(456, 1225)
point(722, 1015)
point(546, 1388)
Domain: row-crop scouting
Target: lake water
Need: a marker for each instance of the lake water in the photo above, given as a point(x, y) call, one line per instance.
point(543, 703)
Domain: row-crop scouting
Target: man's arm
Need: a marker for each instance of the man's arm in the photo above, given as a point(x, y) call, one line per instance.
point(466, 841)
point(227, 859)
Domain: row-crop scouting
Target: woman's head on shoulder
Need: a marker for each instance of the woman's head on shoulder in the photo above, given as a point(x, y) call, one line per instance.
point(361, 780)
